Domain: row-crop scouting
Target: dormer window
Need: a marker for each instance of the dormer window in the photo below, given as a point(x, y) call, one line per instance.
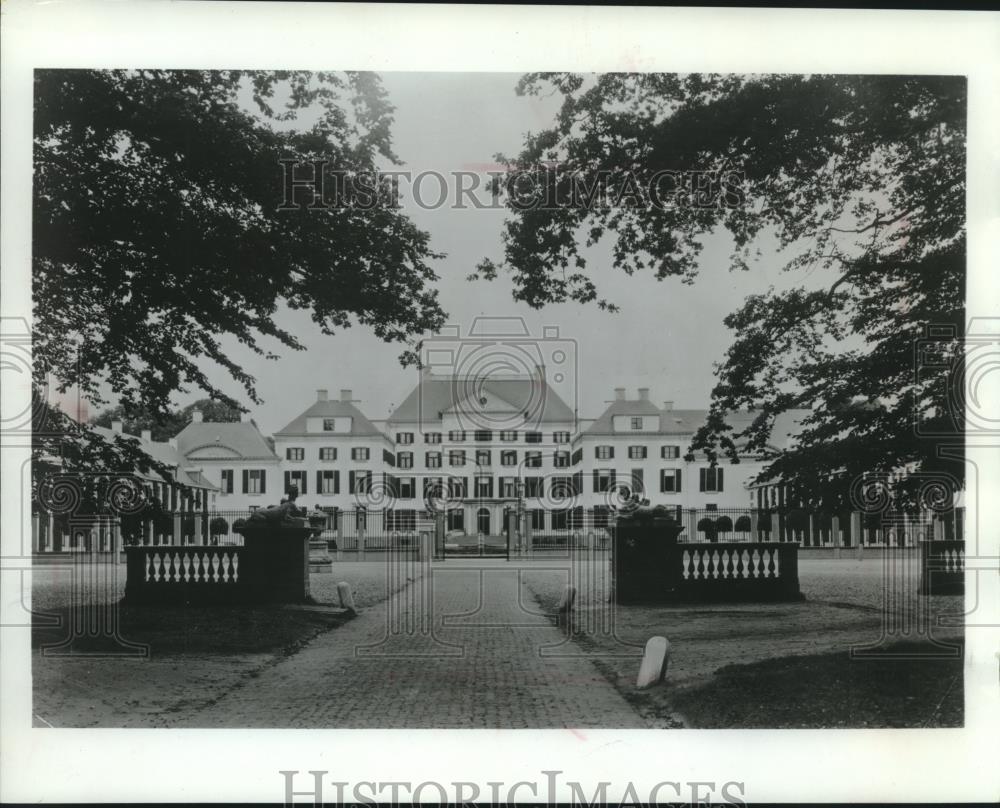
point(636, 422)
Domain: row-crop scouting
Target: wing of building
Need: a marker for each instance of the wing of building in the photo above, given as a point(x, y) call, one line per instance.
point(235, 458)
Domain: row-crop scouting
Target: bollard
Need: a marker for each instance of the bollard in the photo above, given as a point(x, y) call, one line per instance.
point(346, 596)
point(655, 658)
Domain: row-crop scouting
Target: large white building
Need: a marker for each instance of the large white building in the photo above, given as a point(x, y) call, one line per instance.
point(483, 450)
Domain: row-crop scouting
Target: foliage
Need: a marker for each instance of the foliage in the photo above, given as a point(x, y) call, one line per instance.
point(860, 180)
point(168, 426)
point(159, 237)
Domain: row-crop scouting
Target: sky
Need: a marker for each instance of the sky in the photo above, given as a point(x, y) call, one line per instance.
point(666, 336)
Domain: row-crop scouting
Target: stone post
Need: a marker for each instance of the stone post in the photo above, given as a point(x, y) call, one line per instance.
point(835, 535)
point(856, 532)
point(178, 538)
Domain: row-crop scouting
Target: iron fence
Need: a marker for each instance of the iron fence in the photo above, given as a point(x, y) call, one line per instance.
point(360, 530)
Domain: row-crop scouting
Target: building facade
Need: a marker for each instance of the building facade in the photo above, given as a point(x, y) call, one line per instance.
point(483, 451)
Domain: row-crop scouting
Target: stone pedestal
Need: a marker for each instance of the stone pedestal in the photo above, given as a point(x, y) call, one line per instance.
point(319, 557)
point(640, 558)
point(276, 565)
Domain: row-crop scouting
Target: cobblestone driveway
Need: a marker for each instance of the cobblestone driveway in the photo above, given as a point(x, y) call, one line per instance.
point(473, 661)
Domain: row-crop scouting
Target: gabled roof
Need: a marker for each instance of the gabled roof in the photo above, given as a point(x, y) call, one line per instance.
point(163, 453)
point(360, 425)
point(672, 422)
point(241, 437)
point(438, 394)
point(687, 422)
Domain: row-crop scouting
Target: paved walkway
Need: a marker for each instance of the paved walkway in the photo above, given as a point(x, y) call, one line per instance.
point(461, 647)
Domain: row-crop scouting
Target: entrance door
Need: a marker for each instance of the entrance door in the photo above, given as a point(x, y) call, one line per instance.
point(483, 521)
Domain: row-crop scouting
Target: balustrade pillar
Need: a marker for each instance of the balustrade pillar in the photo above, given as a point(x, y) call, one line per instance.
point(856, 530)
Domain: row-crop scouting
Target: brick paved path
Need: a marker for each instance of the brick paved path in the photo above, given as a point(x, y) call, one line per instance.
point(474, 660)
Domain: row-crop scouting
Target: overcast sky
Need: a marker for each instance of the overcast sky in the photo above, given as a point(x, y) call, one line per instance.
point(666, 336)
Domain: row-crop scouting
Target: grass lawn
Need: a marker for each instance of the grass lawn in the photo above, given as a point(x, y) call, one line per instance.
point(196, 655)
point(178, 630)
point(829, 690)
point(758, 665)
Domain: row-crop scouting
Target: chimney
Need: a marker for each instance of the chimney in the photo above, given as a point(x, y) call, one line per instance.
point(245, 417)
point(172, 442)
point(346, 395)
point(147, 435)
point(668, 405)
point(321, 395)
point(116, 426)
point(196, 416)
point(619, 394)
point(643, 394)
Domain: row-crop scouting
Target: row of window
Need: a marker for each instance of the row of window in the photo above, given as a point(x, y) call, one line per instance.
point(507, 458)
point(328, 453)
point(637, 452)
point(483, 436)
point(483, 457)
point(254, 481)
point(603, 480)
point(709, 480)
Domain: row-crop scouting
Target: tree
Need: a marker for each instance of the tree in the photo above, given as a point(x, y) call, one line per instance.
point(218, 527)
point(860, 180)
point(169, 425)
point(159, 230)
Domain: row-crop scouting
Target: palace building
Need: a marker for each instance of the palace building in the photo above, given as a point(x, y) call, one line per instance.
point(480, 449)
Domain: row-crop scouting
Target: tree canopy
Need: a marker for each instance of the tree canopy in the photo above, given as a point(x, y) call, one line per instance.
point(159, 228)
point(165, 427)
point(859, 180)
